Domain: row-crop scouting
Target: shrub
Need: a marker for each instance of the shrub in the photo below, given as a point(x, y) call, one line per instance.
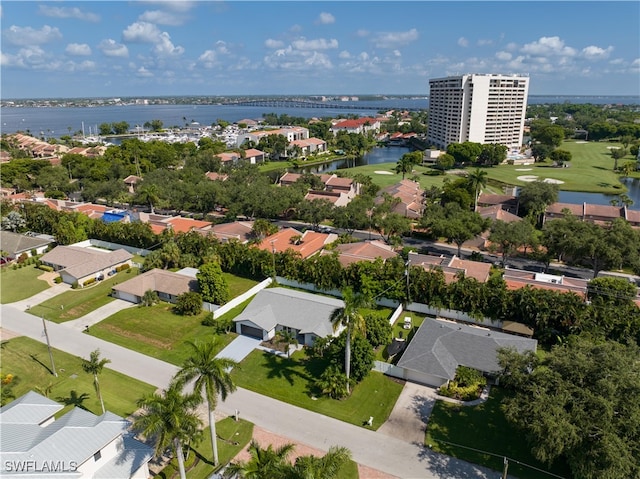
point(34, 253)
point(57, 279)
point(466, 386)
point(44, 267)
point(22, 258)
point(123, 267)
point(189, 304)
point(75, 285)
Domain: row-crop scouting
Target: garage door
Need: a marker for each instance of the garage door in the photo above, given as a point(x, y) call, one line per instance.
point(250, 331)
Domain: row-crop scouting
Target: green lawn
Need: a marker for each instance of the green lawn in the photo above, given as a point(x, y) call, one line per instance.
point(156, 331)
point(291, 381)
point(400, 332)
point(21, 283)
point(590, 170)
point(232, 438)
point(28, 360)
point(75, 303)
point(238, 285)
point(485, 428)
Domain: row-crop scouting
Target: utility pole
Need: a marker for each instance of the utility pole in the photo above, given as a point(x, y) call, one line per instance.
point(408, 264)
point(273, 257)
point(506, 468)
point(46, 334)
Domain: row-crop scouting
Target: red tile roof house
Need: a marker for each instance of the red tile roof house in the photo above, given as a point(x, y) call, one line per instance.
point(167, 284)
point(411, 198)
point(516, 279)
point(254, 156)
point(506, 202)
point(451, 266)
point(311, 145)
point(349, 253)
point(332, 183)
point(599, 214)
point(229, 157)
point(496, 212)
point(291, 133)
point(360, 125)
point(309, 242)
point(335, 198)
point(213, 176)
point(241, 231)
point(81, 264)
point(184, 225)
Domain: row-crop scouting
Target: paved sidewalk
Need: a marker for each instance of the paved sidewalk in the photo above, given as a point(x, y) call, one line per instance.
point(99, 314)
point(41, 297)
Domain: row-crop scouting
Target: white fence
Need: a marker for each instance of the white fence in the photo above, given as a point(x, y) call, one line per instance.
point(111, 246)
point(388, 369)
point(239, 299)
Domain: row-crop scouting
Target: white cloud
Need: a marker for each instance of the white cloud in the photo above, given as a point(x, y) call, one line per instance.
point(24, 36)
point(504, 56)
point(317, 44)
point(25, 58)
point(344, 54)
point(221, 47)
point(318, 59)
point(176, 5)
point(548, 46)
point(208, 59)
point(162, 17)
point(463, 42)
point(143, 73)
point(326, 19)
point(271, 43)
point(484, 42)
point(362, 33)
point(111, 48)
point(142, 32)
point(396, 53)
point(68, 12)
point(165, 47)
point(78, 49)
point(395, 39)
point(596, 53)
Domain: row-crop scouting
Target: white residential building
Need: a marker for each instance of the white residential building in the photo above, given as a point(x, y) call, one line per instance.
point(482, 108)
point(77, 445)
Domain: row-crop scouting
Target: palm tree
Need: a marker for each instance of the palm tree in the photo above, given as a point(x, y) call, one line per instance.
point(477, 181)
point(169, 420)
point(351, 319)
point(325, 467)
point(288, 339)
point(404, 166)
point(265, 463)
point(212, 376)
point(94, 365)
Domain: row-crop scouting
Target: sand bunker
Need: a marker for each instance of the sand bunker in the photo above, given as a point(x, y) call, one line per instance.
point(581, 142)
point(524, 169)
point(379, 172)
point(530, 178)
point(613, 147)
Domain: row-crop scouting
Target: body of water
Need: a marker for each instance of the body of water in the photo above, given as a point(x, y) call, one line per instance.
point(59, 121)
point(633, 192)
point(375, 156)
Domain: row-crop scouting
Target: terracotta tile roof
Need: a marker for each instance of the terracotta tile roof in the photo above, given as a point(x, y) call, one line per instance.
point(290, 177)
point(495, 212)
point(253, 152)
point(491, 199)
point(606, 211)
point(311, 242)
point(213, 176)
point(240, 230)
point(338, 182)
point(472, 269)
point(160, 281)
point(557, 208)
point(132, 180)
point(330, 196)
point(184, 225)
point(633, 216)
point(363, 251)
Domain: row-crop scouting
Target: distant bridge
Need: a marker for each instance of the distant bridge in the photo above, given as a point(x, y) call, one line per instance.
point(283, 103)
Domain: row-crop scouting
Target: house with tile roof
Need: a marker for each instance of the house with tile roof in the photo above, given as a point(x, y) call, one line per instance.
point(335, 198)
point(451, 266)
point(306, 244)
point(81, 264)
point(496, 212)
point(167, 284)
point(516, 279)
point(291, 133)
point(439, 347)
point(254, 156)
point(272, 310)
point(599, 214)
point(358, 125)
point(241, 231)
point(368, 250)
point(311, 146)
point(506, 202)
point(78, 445)
point(410, 196)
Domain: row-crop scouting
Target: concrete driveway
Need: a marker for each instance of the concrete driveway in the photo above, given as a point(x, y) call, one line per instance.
point(410, 415)
point(239, 348)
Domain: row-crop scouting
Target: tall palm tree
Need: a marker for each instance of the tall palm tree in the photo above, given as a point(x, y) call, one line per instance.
point(325, 467)
point(212, 377)
point(288, 339)
point(477, 181)
point(169, 420)
point(351, 319)
point(94, 365)
point(267, 463)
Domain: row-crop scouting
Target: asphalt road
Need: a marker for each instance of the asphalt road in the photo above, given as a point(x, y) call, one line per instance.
point(376, 450)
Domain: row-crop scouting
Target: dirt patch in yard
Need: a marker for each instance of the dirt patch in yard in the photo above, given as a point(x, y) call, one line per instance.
point(138, 337)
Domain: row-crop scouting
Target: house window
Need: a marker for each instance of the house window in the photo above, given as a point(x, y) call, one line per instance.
point(97, 456)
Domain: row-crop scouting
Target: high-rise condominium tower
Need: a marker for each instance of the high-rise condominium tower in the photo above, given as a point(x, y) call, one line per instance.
point(482, 108)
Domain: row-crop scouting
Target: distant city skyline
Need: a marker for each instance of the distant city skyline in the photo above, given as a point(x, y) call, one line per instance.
point(166, 48)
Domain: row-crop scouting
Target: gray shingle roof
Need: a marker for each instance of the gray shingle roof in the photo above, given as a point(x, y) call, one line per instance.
point(306, 312)
point(160, 281)
point(32, 408)
point(15, 243)
point(439, 347)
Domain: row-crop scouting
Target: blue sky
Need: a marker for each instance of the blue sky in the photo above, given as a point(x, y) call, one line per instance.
point(152, 48)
